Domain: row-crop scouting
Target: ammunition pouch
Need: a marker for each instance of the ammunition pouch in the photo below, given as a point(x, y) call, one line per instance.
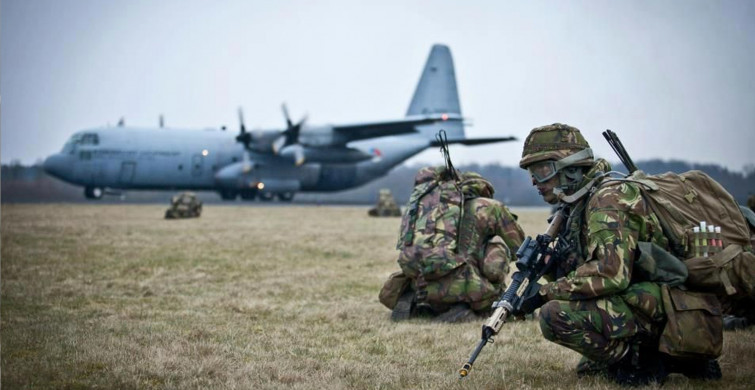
point(396, 284)
point(694, 326)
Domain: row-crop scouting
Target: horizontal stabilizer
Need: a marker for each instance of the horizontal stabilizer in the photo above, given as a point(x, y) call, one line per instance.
point(407, 125)
point(475, 141)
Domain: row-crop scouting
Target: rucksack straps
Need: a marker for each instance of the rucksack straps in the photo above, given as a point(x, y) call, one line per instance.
point(721, 259)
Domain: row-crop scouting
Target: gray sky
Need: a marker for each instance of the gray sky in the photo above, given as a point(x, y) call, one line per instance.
point(675, 79)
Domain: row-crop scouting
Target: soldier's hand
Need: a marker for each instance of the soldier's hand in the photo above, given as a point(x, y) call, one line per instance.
point(531, 301)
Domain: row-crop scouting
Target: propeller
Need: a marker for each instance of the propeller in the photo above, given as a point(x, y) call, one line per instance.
point(162, 121)
point(288, 141)
point(246, 139)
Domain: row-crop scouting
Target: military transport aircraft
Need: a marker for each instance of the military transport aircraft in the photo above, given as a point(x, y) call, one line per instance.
point(266, 163)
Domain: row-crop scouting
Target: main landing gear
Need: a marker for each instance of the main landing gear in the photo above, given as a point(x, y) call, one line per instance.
point(95, 193)
point(251, 194)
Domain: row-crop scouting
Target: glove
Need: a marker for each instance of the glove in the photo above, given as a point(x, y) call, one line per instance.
point(531, 300)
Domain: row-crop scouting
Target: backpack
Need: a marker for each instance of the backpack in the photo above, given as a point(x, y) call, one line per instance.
point(430, 223)
point(681, 202)
point(713, 267)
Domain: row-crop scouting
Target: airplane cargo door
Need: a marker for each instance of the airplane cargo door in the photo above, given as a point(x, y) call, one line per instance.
point(196, 165)
point(127, 172)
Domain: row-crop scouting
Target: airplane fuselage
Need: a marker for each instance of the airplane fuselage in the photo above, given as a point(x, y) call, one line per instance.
point(173, 159)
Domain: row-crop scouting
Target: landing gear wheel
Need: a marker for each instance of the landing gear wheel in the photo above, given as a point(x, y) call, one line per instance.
point(286, 196)
point(248, 194)
point(228, 194)
point(93, 192)
point(266, 196)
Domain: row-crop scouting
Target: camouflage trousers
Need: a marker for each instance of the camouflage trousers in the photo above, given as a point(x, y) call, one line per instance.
point(476, 282)
point(602, 329)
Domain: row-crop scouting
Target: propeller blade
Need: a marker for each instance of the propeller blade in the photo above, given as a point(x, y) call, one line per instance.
point(289, 124)
point(294, 152)
point(241, 121)
point(298, 155)
point(279, 143)
point(246, 165)
point(162, 121)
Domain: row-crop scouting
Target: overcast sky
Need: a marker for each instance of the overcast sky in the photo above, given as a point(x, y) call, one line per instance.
point(675, 79)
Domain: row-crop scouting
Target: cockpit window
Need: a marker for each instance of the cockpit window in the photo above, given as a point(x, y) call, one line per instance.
point(90, 139)
point(70, 146)
point(80, 139)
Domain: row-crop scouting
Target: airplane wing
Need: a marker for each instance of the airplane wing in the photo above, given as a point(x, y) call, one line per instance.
point(475, 141)
point(354, 132)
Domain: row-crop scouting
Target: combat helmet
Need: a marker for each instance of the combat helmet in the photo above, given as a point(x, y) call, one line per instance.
point(558, 142)
point(557, 149)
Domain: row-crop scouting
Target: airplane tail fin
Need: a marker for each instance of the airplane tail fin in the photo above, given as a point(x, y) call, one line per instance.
point(436, 93)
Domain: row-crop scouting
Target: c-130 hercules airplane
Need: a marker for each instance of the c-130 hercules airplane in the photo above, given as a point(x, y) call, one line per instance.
point(266, 163)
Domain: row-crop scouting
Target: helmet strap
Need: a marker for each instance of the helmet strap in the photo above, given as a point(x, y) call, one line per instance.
point(572, 159)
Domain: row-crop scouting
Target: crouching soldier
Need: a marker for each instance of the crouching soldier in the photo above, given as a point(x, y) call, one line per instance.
point(456, 243)
point(598, 303)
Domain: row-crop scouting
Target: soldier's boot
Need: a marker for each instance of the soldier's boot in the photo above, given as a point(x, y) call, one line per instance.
point(459, 312)
point(702, 369)
point(638, 367)
point(404, 307)
point(587, 367)
point(732, 322)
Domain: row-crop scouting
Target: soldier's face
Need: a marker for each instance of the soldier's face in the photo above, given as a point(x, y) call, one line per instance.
point(545, 189)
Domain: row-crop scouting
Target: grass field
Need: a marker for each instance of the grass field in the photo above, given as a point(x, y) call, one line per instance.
point(97, 296)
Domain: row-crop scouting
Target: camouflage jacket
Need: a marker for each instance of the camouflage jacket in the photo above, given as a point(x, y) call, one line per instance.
point(483, 219)
point(603, 230)
point(437, 235)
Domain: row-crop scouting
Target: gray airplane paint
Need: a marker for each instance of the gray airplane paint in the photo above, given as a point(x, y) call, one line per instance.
point(335, 158)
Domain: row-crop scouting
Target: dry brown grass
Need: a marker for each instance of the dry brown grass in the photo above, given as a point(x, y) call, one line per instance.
point(98, 296)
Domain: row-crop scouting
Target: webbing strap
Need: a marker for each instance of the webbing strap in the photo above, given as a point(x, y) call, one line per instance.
point(721, 259)
point(413, 210)
point(574, 158)
point(575, 196)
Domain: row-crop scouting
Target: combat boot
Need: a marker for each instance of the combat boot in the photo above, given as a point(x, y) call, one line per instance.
point(404, 307)
point(638, 368)
point(587, 367)
point(702, 369)
point(732, 322)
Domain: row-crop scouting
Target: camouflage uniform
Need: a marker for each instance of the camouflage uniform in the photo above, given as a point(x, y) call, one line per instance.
point(450, 259)
point(386, 205)
point(488, 241)
point(595, 304)
point(598, 304)
point(184, 205)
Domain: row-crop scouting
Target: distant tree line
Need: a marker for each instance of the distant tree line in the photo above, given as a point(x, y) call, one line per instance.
point(30, 184)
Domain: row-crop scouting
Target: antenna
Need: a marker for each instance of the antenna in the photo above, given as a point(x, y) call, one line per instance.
point(618, 147)
point(442, 139)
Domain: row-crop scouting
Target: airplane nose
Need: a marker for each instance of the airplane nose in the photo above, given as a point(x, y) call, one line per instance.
point(53, 165)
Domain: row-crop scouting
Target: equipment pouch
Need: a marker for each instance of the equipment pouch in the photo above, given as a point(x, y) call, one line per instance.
point(659, 266)
point(694, 327)
point(730, 272)
point(393, 288)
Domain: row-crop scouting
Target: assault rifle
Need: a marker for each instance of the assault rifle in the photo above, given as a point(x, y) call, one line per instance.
point(534, 261)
